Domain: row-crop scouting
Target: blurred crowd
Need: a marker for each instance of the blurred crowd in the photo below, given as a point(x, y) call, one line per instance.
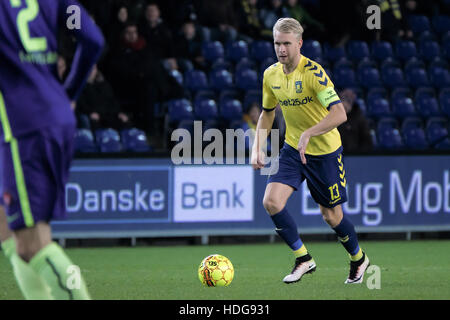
point(146, 40)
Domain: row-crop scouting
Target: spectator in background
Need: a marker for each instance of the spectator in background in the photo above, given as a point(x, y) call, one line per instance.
point(394, 21)
point(188, 45)
point(249, 23)
point(117, 26)
point(312, 26)
point(271, 12)
point(158, 35)
point(98, 102)
point(355, 132)
point(219, 16)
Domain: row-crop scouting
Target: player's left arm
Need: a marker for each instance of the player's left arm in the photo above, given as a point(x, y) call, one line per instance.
point(328, 98)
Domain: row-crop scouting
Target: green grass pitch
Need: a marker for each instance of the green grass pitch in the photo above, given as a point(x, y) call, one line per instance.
point(409, 270)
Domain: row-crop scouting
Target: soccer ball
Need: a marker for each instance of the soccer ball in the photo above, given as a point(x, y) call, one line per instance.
point(216, 271)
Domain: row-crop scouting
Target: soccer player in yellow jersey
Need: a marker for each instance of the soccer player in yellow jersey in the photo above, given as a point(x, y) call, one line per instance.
point(312, 149)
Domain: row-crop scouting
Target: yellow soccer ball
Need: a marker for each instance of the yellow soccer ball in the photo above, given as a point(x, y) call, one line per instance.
point(216, 271)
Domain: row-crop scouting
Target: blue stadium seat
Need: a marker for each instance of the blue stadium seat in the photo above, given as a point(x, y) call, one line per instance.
point(441, 23)
point(344, 77)
point(381, 50)
point(415, 138)
point(247, 79)
point(187, 125)
point(413, 63)
point(108, 140)
point(222, 64)
point(84, 141)
point(436, 129)
point(312, 49)
point(231, 110)
point(333, 53)
point(206, 109)
point(439, 77)
point(419, 23)
point(389, 137)
point(264, 65)
point(213, 50)
point(446, 49)
point(376, 93)
point(369, 77)
point(405, 49)
point(237, 50)
point(378, 108)
point(393, 77)
point(252, 96)
point(220, 80)
point(366, 63)
point(411, 123)
point(398, 93)
point(134, 140)
point(260, 50)
point(357, 50)
point(444, 100)
point(403, 107)
point(204, 95)
point(245, 63)
point(427, 36)
point(177, 75)
point(180, 109)
point(426, 102)
point(417, 77)
point(195, 80)
point(429, 50)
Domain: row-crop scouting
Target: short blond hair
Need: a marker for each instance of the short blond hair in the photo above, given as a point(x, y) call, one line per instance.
point(286, 25)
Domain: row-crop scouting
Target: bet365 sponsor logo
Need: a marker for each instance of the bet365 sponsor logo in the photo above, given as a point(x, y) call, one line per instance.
point(295, 102)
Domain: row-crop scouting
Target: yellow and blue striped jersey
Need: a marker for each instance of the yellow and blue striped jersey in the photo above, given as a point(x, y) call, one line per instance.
point(305, 96)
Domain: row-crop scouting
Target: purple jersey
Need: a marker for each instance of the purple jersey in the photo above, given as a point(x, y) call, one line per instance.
point(33, 97)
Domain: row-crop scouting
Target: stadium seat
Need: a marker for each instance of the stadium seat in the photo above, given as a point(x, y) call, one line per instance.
point(237, 50)
point(378, 108)
point(441, 23)
point(344, 77)
point(134, 140)
point(204, 95)
point(366, 63)
point(381, 50)
point(333, 53)
point(403, 107)
point(206, 109)
point(405, 49)
point(393, 77)
point(231, 110)
point(180, 109)
point(436, 130)
point(260, 50)
point(187, 125)
point(417, 77)
point(245, 63)
point(427, 36)
point(369, 77)
point(426, 102)
point(376, 93)
point(390, 63)
point(439, 77)
point(220, 80)
point(177, 75)
point(247, 79)
point(389, 138)
point(222, 64)
point(264, 65)
point(84, 141)
point(357, 50)
point(213, 50)
point(108, 140)
point(415, 138)
point(312, 49)
point(429, 50)
point(196, 80)
point(446, 49)
point(413, 63)
point(401, 93)
point(250, 97)
point(411, 122)
point(444, 100)
point(419, 23)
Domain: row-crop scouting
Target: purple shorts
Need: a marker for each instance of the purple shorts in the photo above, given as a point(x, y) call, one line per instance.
point(35, 171)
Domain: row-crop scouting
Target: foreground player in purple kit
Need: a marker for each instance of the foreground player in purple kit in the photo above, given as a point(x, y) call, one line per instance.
point(37, 132)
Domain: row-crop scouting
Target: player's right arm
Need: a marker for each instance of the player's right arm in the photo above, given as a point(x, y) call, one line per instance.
point(264, 124)
point(90, 44)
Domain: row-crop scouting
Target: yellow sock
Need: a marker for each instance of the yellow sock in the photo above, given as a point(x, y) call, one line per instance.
point(301, 252)
point(357, 256)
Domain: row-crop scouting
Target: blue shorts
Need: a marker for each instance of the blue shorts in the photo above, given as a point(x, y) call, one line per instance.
point(324, 174)
point(35, 171)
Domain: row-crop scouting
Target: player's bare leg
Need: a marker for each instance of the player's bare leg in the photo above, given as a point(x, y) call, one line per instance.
point(345, 231)
point(275, 199)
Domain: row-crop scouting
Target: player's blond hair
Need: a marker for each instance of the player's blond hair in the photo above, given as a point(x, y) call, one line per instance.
point(286, 25)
